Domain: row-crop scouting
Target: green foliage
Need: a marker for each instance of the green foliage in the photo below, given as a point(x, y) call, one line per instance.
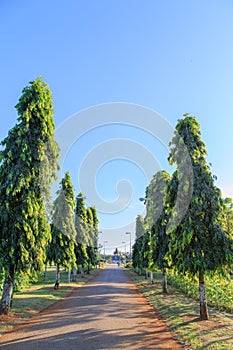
point(92, 242)
point(219, 289)
point(140, 252)
point(22, 281)
point(95, 217)
point(95, 227)
point(199, 243)
point(228, 216)
point(155, 197)
point(140, 229)
point(81, 228)
point(145, 250)
point(61, 249)
point(28, 165)
point(137, 253)
point(81, 254)
point(157, 216)
point(81, 220)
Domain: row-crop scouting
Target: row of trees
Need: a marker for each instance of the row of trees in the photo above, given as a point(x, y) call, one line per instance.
point(188, 225)
point(29, 237)
point(74, 232)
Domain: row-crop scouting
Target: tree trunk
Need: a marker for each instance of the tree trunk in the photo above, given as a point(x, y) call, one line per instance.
point(68, 276)
point(7, 295)
point(74, 271)
point(82, 271)
point(45, 271)
point(88, 269)
point(56, 286)
point(151, 277)
point(164, 283)
point(147, 273)
point(204, 315)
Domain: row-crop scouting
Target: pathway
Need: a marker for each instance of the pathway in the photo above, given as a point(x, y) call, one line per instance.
point(106, 313)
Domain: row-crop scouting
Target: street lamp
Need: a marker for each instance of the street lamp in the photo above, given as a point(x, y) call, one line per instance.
point(81, 197)
point(104, 248)
point(129, 233)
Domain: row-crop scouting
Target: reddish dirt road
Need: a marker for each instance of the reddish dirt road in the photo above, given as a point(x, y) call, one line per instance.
point(106, 313)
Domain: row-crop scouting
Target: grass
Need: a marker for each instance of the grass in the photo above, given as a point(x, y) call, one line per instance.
point(38, 296)
point(218, 289)
point(182, 316)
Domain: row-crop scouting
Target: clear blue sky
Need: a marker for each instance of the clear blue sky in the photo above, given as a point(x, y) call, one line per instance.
point(170, 56)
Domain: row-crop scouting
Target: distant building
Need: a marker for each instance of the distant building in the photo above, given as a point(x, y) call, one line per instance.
point(116, 259)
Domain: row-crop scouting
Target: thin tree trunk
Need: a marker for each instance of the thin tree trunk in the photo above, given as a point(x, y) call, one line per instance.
point(45, 270)
point(74, 278)
point(204, 315)
point(164, 283)
point(7, 295)
point(82, 271)
point(151, 277)
point(68, 276)
point(147, 273)
point(56, 286)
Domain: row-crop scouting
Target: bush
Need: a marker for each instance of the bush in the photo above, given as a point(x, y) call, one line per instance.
point(219, 290)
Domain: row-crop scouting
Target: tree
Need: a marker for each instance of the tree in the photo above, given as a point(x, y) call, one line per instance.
point(81, 220)
point(81, 232)
point(91, 239)
point(28, 166)
point(61, 249)
point(228, 215)
point(155, 194)
point(145, 252)
point(96, 229)
point(140, 229)
point(198, 244)
point(137, 254)
point(159, 218)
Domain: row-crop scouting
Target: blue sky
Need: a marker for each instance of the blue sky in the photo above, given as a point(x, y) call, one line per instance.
point(170, 56)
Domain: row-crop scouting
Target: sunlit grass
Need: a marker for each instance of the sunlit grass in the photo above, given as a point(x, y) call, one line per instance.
point(40, 295)
point(182, 316)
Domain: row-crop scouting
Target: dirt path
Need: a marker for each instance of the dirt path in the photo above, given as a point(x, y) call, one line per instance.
point(106, 313)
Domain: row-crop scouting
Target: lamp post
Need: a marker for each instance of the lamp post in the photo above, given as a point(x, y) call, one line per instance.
point(104, 250)
point(129, 233)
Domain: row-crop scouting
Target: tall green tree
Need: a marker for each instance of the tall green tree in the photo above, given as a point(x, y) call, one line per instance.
point(137, 258)
point(81, 232)
point(91, 239)
point(228, 215)
point(140, 229)
point(96, 227)
point(155, 194)
point(81, 220)
point(145, 251)
point(138, 248)
point(28, 166)
point(199, 243)
point(61, 249)
point(158, 210)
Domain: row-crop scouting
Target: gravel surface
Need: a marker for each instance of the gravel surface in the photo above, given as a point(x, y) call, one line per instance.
point(106, 313)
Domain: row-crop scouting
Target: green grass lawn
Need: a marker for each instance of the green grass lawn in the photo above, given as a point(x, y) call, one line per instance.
point(40, 295)
point(182, 316)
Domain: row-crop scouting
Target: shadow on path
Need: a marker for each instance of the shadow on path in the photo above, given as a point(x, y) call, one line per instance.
point(106, 313)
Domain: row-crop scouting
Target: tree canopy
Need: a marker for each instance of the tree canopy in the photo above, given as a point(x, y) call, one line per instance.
point(28, 165)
